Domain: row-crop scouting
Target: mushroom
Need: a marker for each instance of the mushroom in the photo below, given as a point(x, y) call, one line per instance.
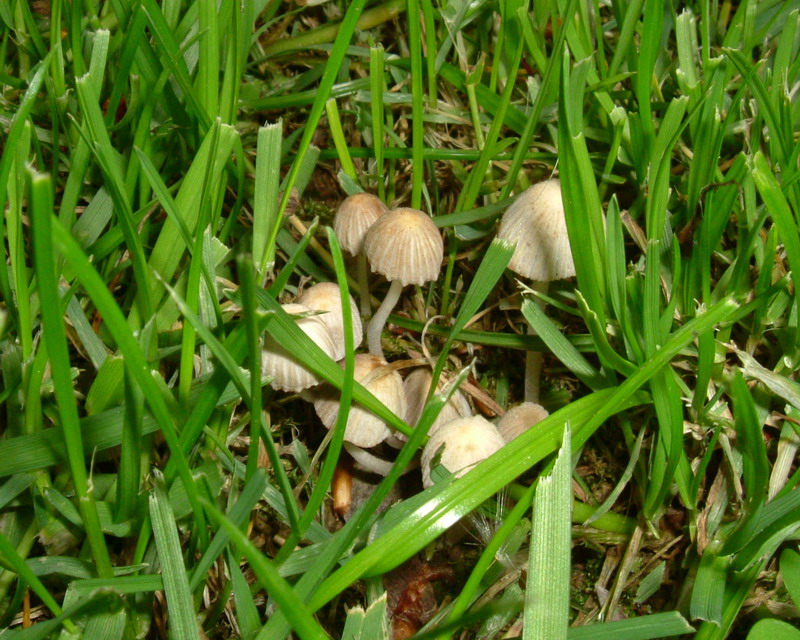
point(466, 441)
point(536, 222)
point(325, 297)
point(417, 385)
point(353, 218)
point(518, 420)
point(364, 430)
point(277, 362)
point(406, 247)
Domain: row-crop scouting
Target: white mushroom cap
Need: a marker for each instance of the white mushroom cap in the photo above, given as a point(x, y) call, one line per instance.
point(405, 245)
point(518, 420)
point(466, 442)
point(277, 362)
point(325, 297)
point(536, 222)
point(354, 217)
point(363, 428)
point(416, 386)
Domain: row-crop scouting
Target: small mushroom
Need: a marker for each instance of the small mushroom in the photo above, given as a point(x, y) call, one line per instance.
point(277, 362)
point(417, 385)
point(536, 222)
point(353, 218)
point(463, 443)
point(518, 420)
point(363, 428)
point(406, 247)
point(325, 297)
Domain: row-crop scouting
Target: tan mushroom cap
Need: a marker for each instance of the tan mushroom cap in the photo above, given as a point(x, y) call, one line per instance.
point(536, 222)
point(363, 428)
point(354, 217)
point(416, 385)
point(405, 246)
point(277, 362)
point(466, 442)
point(518, 420)
point(325, 297)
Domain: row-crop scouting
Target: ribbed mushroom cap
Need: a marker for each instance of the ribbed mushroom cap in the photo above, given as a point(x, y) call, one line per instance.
point(277, 362)
point(518, 420)
point(354, 217)
point(536, 222)
point(466, 441)
point(364, 429)
point(416, 385)
point(405, 245)
point(325, 297)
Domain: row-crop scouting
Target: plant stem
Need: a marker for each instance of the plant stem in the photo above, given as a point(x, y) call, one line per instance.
point(363, 286)
point(533, 359)
point(379, 319)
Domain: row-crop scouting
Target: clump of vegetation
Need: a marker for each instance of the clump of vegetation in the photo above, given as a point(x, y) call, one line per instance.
point(169, 175)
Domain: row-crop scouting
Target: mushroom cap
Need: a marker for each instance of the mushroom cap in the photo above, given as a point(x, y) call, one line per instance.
point(466, 441)
point(416, 385)
point(363, 428)
point(518, 420)
point(325, 297)
point(354, 217)
point(277, 362)
point(405, 245)
point(536, 222)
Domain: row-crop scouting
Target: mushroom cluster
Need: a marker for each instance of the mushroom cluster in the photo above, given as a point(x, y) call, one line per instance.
point(405, 246)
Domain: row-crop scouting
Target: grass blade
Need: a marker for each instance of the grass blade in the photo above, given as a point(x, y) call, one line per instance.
point(547, 592)
point(173, 572)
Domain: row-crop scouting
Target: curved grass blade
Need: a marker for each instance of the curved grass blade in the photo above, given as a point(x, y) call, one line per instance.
point(463, 495)
point(239, 380)
point(337, 439)
point(138, 368)
point(56, 342)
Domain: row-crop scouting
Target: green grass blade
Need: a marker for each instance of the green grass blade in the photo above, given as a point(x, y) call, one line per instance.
point(173, 571)
point(289, 604)
point(265, 200)
point(237, 377)
point(657, 625)
point(56, 343)
point(547, 592)
point(118, 327)
point(338, 53)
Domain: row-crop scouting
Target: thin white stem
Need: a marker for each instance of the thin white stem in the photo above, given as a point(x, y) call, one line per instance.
point(363, 285)
point(368, 461)
point(533, 372)
point(379, 319)
point(533, 359)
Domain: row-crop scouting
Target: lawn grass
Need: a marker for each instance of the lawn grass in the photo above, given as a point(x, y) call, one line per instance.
point(169, 173)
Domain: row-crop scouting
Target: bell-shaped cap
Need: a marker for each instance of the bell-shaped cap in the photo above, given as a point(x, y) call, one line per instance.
point(535, 222)
point(325, 297)
point(417, 385)
point(277, 362)
point(463, 443)
point(363, 428)
point(518, 420)
point(354, 217)
point(405, 245)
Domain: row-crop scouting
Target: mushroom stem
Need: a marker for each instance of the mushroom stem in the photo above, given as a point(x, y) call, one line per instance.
point(379, 319)
point(533, 359)
point(368, 461)
point(363, 285)
point(533, 372)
